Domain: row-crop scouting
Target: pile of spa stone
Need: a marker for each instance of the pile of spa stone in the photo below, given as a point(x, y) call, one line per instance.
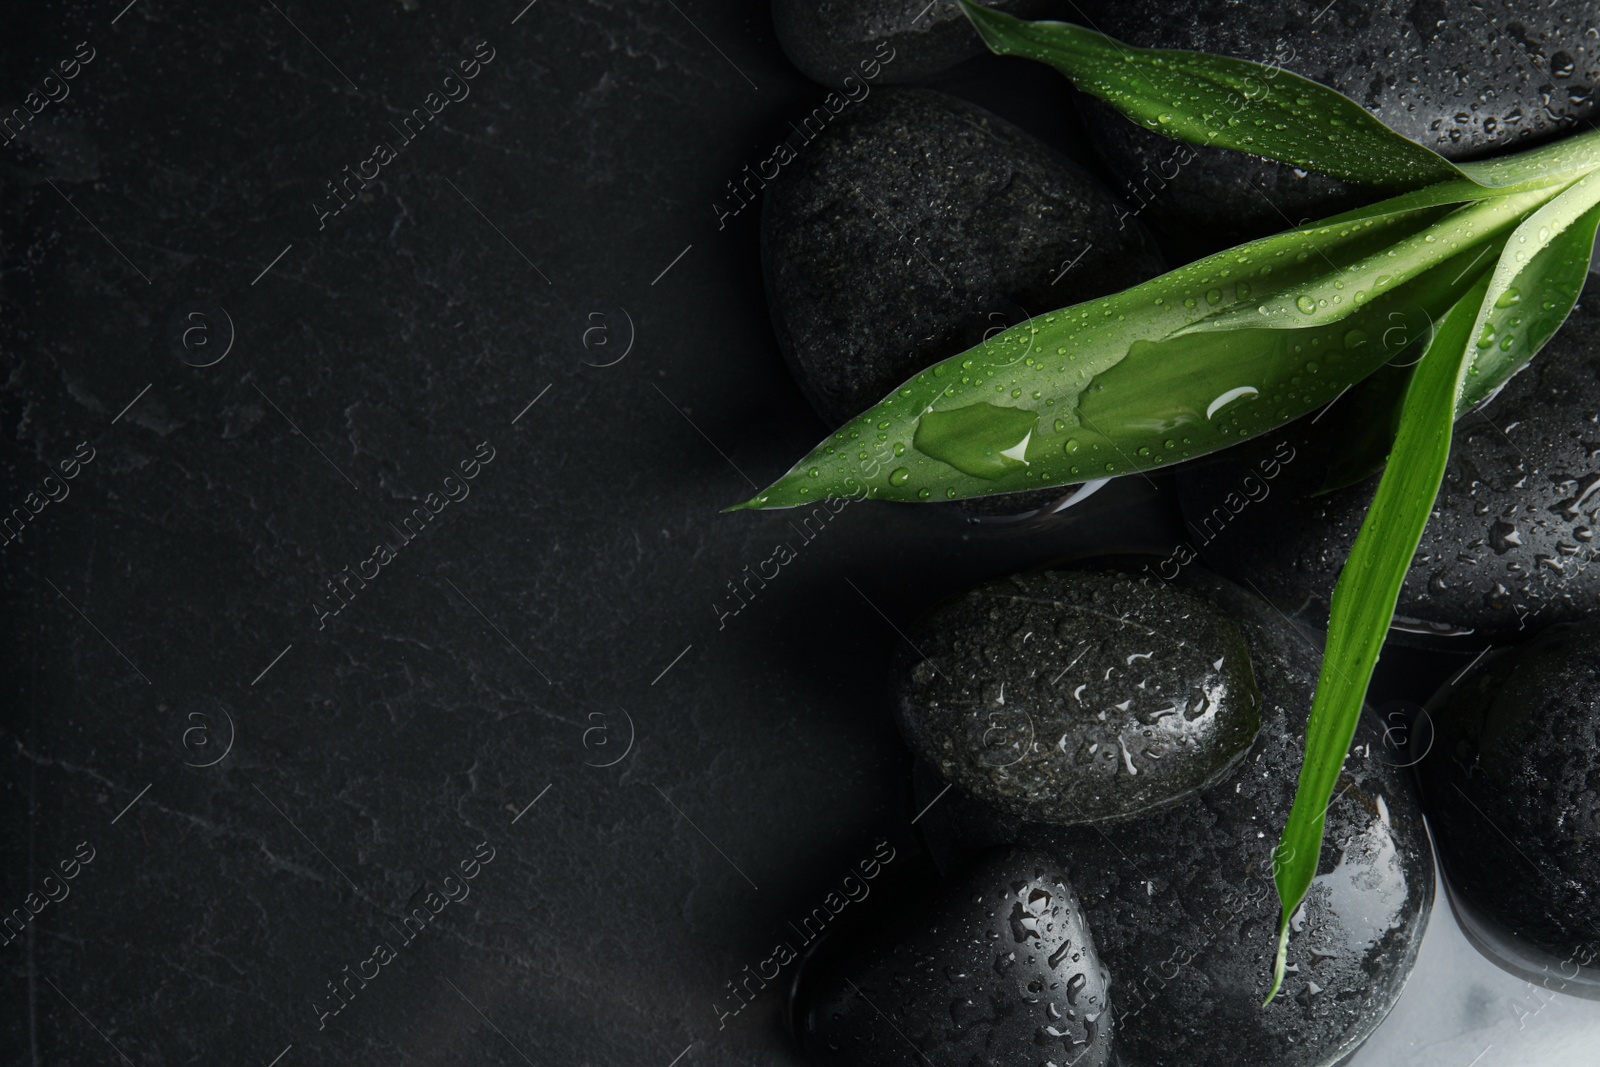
point(1129, 746)
point(1109, 752)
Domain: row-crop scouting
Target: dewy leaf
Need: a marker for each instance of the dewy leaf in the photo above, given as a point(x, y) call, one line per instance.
point(1326, 299)
point(1365, 595)
point(1213, 100)
point(1535, 285)
point(1138, 379)
point(1563, 159)
point(1532, 299)
point(1485, 337)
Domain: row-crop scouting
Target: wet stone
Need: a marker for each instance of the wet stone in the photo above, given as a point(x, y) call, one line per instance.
point(830, 39)
point(1464, 77)
point(917, 225)
point(1512, 790)
point(996, 969)
point(1511, 545)
point(1078, 696)
point(1182, 903)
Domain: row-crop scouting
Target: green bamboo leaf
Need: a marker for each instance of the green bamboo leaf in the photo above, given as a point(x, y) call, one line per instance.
point(1560, 160)
point(1145, 377)
point(1535, 285)
point(1364, 598)
point(1483, 340)
point(1538, 261)
point(1533, 298)
point(1213, 100)
point(1327, 298)
point(1259, 108)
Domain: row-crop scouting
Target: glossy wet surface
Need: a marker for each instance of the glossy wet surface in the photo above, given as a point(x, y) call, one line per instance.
point(286, 712)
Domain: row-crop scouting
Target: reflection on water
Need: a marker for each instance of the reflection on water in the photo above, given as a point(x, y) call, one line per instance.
point(1456, 1011)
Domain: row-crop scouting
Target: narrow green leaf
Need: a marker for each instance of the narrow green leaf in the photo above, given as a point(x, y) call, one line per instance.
point(1534, 287)
point(1531, 301)
point(1259, 108)
point(1213, 100)
point(1327, 298)
point(1364, 598)
point(1561, 160)
point(1145, 377)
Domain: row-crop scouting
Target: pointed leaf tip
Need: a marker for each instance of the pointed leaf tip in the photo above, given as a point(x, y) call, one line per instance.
point(1260, 108)
point(989, 24)
point(1279, 962)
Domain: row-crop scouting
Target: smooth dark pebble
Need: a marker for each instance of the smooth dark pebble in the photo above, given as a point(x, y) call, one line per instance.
point(997, 969)
point(1511, 786)
point(1182, 902)
point(1078, 696)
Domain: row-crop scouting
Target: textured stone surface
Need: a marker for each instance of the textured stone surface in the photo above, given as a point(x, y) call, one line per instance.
point(915, 226)
point(1077, 696)
point(387, 746)
point(828, 39)
point(1510, 547)
point(1182, 904)
point(1462, 77)
point(997, 969)
point(1512, 790)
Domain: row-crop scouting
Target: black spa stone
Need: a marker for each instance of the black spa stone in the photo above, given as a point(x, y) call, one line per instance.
point(1182, 904)
point(1078, 696)
point(914, 226)
point(829, 40)
point(997, 969)
point(1512, 790)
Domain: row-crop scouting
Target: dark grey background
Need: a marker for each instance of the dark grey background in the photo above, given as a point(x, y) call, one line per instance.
point(559, 617)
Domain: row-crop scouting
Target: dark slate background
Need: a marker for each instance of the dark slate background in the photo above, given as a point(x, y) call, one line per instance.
point(265, 794)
